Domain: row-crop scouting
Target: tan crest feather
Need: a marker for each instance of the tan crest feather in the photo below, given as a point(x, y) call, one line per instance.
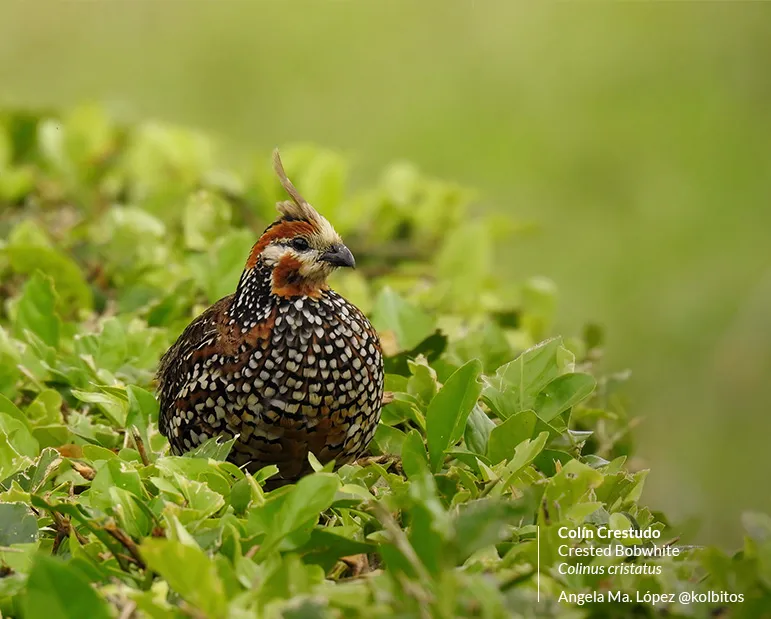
point(298, 208)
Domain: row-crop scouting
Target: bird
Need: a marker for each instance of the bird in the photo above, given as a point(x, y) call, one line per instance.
point(284, 365)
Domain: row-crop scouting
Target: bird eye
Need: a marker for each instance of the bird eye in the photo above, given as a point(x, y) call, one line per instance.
point(300, 244)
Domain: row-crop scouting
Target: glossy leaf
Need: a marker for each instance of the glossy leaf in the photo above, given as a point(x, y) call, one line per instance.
point(17, 524)
point(505, 437)
point(478, 429)
point(409, 324)
point(563, 393)
point(55, 589)
point(36, 311)
point(516, 385)
point(189, 572)
point(484, 522)
point(449, 409)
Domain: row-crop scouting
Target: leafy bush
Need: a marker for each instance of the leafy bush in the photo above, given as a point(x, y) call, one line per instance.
point(498, 433)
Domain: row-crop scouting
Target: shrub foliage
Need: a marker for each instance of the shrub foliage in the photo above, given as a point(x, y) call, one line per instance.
point(499, 433)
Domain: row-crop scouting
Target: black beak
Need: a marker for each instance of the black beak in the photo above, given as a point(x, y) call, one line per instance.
point(339, 256)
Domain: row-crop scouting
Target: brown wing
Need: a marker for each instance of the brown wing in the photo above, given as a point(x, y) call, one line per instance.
point(176, 363)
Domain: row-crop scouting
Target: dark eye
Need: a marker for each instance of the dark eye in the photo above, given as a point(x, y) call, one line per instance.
point(300, 244)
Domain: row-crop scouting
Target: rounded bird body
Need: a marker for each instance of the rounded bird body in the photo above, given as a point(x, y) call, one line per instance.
point(285, 364)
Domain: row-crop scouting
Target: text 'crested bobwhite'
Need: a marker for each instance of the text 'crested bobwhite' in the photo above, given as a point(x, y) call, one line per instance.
point(286, 364)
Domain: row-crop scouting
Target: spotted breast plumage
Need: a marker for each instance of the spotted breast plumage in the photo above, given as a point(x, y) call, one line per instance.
point(285, 364)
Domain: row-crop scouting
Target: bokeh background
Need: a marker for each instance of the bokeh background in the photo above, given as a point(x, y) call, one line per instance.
point(636, 136)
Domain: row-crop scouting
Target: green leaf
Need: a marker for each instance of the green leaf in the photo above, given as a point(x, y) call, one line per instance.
point(10, 373)
point(19, 435)
point(563, 393)
point(55, 589)
point(448, 411)
point(304, 502)
point(414, 457)
point(18, 524)
point(431, 348)
point(216, 475)
point(46, 466)
point(114, 474)
point(291, 579)
point(241, 496)
point(478, 429)
point(524, 454)
point(36, 311)
point(113, 406)
point(403, 408)
point(189, 572)
point(388, 440)
point(11, 460)
point(329, 544)
point(409, 324)
point(570, 485)
point(73, 290)
point(215, 448)
point(28, 232)
point(132, 243)
point(485, 522)
point(312, 495)
point(516, 385)
point(9, 408)
point(422, 383)
point(429, 523)
point(46, 408)
point(201, 498)
point(548, 460)
point(109, 348)
point(142, 409)
point(505, 437)
point(136, 521)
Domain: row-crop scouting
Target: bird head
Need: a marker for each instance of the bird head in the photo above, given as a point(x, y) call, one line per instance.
point(301, 247)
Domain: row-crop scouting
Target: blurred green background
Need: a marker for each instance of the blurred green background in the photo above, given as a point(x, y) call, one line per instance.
point(637, 136)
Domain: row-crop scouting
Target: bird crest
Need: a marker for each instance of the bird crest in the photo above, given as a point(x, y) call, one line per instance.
point(298, 208)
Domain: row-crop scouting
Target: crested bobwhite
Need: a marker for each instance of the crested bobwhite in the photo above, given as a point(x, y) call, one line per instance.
point(285, 363)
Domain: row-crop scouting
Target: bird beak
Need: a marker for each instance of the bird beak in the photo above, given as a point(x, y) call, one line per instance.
point(339, 256)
